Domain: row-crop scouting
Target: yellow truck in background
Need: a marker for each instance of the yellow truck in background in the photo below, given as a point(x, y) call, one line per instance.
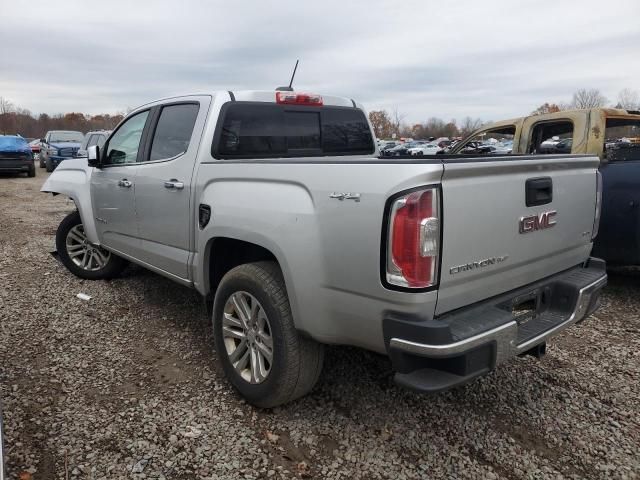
point(611, 133)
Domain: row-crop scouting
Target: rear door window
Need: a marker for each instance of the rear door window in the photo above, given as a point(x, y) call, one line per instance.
point(265, 130)
point(551, 137)
point(173, 131)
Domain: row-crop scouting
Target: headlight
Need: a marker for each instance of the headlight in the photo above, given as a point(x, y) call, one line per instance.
point(52, 151)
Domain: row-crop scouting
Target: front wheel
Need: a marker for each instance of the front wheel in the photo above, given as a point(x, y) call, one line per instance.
point(48, 165)
point(263, 355)
point(32, 171)
point(81, 257)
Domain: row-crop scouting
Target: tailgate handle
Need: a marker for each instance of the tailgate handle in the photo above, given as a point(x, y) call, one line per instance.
point(538, 191)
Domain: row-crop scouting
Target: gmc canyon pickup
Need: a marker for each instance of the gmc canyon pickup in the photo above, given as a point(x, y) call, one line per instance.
point(275, 206)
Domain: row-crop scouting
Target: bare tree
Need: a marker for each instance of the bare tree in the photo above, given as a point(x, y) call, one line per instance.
point(396, 121)
point(591, 98)
point(5, 106)
point(628, 99)
point(469, 125)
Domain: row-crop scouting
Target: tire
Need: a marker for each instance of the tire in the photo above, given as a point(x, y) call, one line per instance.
point(296, 360)
point(32, 171)
point(41, 160)
point(48, 164)
point(95, 262)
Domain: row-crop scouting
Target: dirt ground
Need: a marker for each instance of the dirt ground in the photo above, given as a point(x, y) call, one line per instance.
point(126, 385)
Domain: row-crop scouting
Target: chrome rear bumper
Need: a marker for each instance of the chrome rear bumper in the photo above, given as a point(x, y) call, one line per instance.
point(473, 340)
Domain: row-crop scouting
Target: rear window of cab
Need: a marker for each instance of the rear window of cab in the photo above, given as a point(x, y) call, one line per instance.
point(265, 130)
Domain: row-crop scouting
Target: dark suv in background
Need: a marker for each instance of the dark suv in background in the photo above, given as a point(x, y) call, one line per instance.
point(16, 155)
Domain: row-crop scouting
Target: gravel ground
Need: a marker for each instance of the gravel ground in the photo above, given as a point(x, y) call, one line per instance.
point(126, 385)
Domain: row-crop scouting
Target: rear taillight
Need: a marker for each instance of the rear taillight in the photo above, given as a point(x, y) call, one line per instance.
point(295, 98)
point(596, 220)
point(413, 242)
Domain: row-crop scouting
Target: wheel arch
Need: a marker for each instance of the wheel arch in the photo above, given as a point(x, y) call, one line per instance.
point(229, 253)
point(222, 253)
point(72, 179)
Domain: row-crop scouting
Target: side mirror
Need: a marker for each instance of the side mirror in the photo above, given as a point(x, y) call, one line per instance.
point(93, 157)
point(42, 140)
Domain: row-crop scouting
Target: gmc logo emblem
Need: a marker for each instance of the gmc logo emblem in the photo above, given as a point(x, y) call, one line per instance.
point(541, 221)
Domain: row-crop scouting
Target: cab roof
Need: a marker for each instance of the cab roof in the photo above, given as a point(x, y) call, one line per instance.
point(267, 96)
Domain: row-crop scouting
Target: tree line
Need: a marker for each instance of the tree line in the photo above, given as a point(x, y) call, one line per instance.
point(387, 124)
point(628, 99)
point(16, 120)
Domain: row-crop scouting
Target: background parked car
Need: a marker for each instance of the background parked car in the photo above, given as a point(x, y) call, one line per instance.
point(426, 149)
point(16, 155)
point(403, 148)
point(94, 137)
point(35, 146)
point(387, 145)
point(58, 145)
point(564, 146)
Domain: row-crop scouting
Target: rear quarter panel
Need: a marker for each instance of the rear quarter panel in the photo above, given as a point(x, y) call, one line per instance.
point(329, 250)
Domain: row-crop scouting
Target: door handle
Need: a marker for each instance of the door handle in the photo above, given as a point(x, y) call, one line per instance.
point(125, 183)
point(173, 184)
point(538, 191)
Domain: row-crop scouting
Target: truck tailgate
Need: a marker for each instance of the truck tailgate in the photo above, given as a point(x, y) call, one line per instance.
point(492, 242)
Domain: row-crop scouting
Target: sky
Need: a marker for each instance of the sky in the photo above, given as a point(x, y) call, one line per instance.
point(491, 59)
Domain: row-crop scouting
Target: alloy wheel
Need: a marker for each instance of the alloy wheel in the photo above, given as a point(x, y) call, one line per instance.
point(247, 337)
point(83, 253)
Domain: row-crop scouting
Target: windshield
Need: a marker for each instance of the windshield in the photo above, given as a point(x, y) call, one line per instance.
point(57, 137)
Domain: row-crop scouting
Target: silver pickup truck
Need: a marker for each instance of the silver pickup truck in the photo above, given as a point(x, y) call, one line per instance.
point(275, 206)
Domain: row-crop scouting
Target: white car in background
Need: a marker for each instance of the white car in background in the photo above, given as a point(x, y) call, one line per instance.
point(426, 149)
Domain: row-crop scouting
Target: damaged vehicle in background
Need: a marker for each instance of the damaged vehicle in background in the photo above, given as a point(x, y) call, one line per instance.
point(276, 207)
point(613, 135)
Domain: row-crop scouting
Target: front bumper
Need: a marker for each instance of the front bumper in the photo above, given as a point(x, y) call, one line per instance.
point(448, 351)
point(12, 166)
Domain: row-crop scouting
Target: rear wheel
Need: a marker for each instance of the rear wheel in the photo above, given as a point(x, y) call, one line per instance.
point(81, 257)
point(263, 355)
